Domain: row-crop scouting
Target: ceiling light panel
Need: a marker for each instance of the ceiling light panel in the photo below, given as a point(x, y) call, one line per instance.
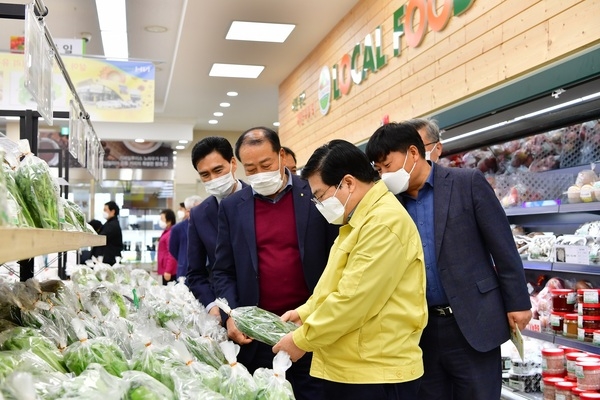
point(112, 18)
point(259, 31)
point(236, 70)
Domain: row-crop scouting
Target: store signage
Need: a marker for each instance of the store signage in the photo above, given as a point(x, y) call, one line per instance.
point(367, 56)
point(70, 47)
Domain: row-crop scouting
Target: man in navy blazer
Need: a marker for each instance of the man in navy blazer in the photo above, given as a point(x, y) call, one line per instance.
point(476, 288)
point(178, 242)
point(213, 158)
point(272, 247)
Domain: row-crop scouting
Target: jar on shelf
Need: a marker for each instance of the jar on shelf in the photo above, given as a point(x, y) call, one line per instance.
point(590, 322)
point(570, 325)
point(563, 390)
point(585, 335)
point(556, 322)
point(563, 300)
point(596, 337)
point(588, 296)
point(548, 387)
point(577, 392)
point(588, 375)
point(553, 361)
point(589, 396)
point(589, 309)
point(571, 359)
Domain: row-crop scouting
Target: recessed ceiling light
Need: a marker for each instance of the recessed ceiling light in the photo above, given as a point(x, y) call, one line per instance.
point(112, 18)
point(225, 105)
point(155, 29)
point(213, 121)
point(275, 123)
point(218, 114)
point(232, 94)
point(174, 151)
point(259, 31)
point(139, 140)
point(184, 141)
point(236, 70)
point(180, 147)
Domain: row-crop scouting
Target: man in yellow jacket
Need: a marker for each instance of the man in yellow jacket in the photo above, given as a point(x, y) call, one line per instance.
point(364, 320)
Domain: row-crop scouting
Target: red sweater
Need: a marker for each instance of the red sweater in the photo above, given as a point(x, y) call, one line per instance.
point(166, 262)
point(281, 278)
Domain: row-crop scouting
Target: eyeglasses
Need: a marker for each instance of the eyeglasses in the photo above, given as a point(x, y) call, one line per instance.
point(317, 200)
point(427, 144)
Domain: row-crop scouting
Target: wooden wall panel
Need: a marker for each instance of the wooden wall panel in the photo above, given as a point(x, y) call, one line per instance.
point(490, 43)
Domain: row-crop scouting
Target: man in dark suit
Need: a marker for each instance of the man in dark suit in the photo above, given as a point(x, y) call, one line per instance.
point(213, 158)
point(272, 247)
point(476, 288)
point(178, 242)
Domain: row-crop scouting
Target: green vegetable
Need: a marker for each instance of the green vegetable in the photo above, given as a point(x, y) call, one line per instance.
point(206, 350)
point(144, 387)
point(101, 350)
point(257, 323)
point(94, 383)
point(39, 191)
point(31, 339)
point(15, 199)
point(156, 362)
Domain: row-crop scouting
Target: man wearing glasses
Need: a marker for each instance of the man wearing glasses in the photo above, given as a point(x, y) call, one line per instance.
point(430, 134)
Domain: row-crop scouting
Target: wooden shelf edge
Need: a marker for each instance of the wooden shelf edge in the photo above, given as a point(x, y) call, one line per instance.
point(25, 243)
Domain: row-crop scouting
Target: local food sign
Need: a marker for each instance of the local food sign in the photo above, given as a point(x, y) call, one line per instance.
point(367, 57)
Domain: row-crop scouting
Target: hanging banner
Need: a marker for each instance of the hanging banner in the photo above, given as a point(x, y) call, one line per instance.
point(111, 91)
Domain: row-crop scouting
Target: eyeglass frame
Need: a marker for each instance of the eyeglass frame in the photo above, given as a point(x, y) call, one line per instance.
point(317, 200)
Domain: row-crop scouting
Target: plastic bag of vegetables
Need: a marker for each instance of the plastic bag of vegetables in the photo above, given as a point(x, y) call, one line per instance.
point(19, 213)
point(100, 350)
point(39, 190)
point(236, 383)
point(24, 361)
point(30, 339)
point(4, 212)
point(141, 386)
point(189, 387)
point(271, 383)
point(196, 370)
point(257, 323)
point(94, 383)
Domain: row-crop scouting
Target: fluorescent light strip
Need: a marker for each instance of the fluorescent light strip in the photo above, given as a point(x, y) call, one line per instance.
point(259, 31)
point(526, 116)
point(236, 70)
point(112, 17)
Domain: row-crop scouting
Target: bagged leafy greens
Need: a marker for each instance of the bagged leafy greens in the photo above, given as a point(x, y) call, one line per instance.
point(271, 383)
point(39, 190)
point(30, 339)
point(5, 220)
point(196, 370)
point(257, 323)
point(19, 213)
point(93, 383)
point(141, 386)
point(236, 383)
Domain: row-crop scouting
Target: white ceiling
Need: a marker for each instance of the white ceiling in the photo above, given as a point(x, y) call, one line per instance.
point(195, 39)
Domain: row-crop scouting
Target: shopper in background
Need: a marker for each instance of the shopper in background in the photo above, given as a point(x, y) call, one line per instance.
point(178, 243)
point(430, 134)
point(181, 212)
point(213, 158)
point(289, 159)
point(476, 289)
point(272, 247)
point(365, 318)
point(114, 237)
point(167, 264)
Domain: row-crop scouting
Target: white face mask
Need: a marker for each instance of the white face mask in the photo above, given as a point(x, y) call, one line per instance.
point(397, 182)
point(428, 153)
point(105, 215)
point(267, 183)
point(221, 187)
point(180, 214)
point(333, 209)
point(162, 224)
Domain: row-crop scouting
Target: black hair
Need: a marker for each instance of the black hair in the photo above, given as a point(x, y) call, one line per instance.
point(289, 151)
point(112, 206)
point(337, 158)
point(182, 204)
point(209, 144)
point(97, 225)
point(169, 216)
point(393, 137)
point(269, 135)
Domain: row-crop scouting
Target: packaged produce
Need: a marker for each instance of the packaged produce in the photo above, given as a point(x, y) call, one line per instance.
point(237, 383)
point(30, 339)
point(17, 208)
point(79, 355)
point(40, 191)
point(257, 323)
point(141, 386)
point(195, 370)
point(93, 383)
point(271, 383)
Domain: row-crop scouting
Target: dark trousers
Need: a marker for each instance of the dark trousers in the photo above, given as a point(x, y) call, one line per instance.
point(453, 369)
point(372, 391)
point(259, 355)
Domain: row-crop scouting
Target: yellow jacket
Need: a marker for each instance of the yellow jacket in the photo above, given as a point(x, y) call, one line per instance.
point(364, 320)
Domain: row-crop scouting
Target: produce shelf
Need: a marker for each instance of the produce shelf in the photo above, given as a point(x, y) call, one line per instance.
point(561, 340)
point(24, 243)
